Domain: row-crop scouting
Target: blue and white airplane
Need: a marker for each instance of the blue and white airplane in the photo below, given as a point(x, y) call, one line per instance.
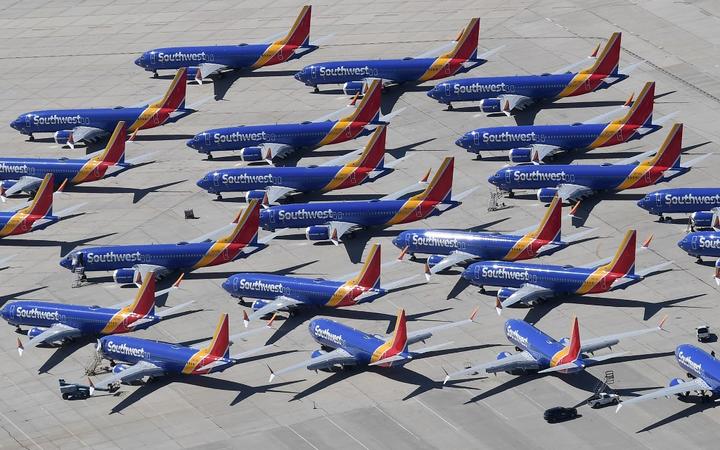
point(271, 293)
point(342, 346)
point(574, 182)
point(461, 57)
point(266, 142)
point(270, 184)
point(203, 61)
point(533, 143)
point(531, 283)
point(700, 203)
point(142, 358)
point(75, 125)
point(510, 93)
point(448, 248)
point(55, 323)
point(331, 220)
point(703, 243)
point(130, 263)
point(538, 352)
point(26, 174)
point(702, 369)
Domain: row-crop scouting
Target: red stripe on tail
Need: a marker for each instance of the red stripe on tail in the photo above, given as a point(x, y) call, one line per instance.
point(440, 188)
point(41, 205)
point(549, 228)
point(466, 47)
point(369, 107)
point(246, 229)
point(669, 151)
point(115, 149)
point(369, 276)
point(299, 34)
point(220, 345)
point(373, 155)
point(624, 261)
point(175, 96)
point(642, 108)
point(574, 345)
point(399, 339)
point(609, 60)
point(144, 303)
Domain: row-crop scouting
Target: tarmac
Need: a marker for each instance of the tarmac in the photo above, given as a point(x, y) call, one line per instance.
point(80, 54)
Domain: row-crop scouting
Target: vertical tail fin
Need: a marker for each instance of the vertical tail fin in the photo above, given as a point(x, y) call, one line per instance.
point(669, 153)
point(246, 226)
point(608, 61)
point(41, 205)
point(369, 108)
point(398, 342)
point(574, 345)
point(144, 303)
point(299, 34)
point(115, 149)
point(440, 188)
point(220, 345)
point(175, 96)
point(467, 43)
point(549, 228)
point(642, 109)
point(369, 276)
point(373, 156)
point(624, 261)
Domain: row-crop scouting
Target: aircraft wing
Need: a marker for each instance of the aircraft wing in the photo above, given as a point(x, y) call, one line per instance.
point(568, 240)
point(57, 216)
point(609, 116)
point(274, 193)
point(87, 133)
point(526, 294)
point(344, 159)
point(162, 314)
point(279, 303)
point(698, 384)
point(608, 341)
point(272, 150)
point(539, 152)
point(420, 185)
point(437, 51)
point(573, 192)
point(132, 373)
point(56, 332)
point(338, 229)
point(570, 67)
point(621, 283)
point(144, 269)
point(25, 183)
point(207, 69)
point(159, 293)
point(324, 361)
point(517, 361)
point(510, 102)
point(427, 333)
point(452, 259)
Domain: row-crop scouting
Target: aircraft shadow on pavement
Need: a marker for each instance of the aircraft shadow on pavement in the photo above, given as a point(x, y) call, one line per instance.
point(14, 295)
point(65, 246)
point(224, 81)
point(138, 193)
point(698, 406)
point(528, 115)
point(63, 352)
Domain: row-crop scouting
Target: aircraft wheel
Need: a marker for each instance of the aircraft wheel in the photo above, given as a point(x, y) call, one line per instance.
point(511, 194)
point(31, 137)
point(699, 259)
point(155, 74)
point(209, 156)
point(482, 290)
point(218, 197)
point(450, 107)
point(316, 89)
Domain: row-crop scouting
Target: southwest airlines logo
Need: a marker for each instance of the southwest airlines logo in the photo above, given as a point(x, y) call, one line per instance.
point(13, 168)
point(124, 349)
point(237, 136)
point(35, 313)
point(329, 336)
point(258, 285)
point(478, 88)
point(180, 57)
point(245, 178)
point(507, 136)
point(536, 175)
point(687, 361)
point(114, 257)
point(704, 242)
point(504, 274)
point(690, 199)
point(303, 214)
point(58, 120)
point(514, 335)
point(432, 241)
point(343, 71)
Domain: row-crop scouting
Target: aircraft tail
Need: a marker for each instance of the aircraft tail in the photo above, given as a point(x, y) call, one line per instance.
point(369, 276)
point(373, 156)
point(608, 61)
point(641, 110)
point(175, 96)
point(144, 303)
point(574, 345)
point(114, 152)
point(41, 205)
point(219, 347)
point(669, 153)
point(368, 111)
point(623, 263)
point(299, 34)
point(247, 224)
point(398, 342)
point(467, 43)
point(440, 188)
point(549, 228)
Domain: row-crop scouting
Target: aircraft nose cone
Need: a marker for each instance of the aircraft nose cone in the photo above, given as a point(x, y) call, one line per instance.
point(65, 262)
point(432, 93)
point(15, 124)
point(298, 76)
point(642, 202)
point(460, 142)
point(193, 143)
point(683, 243)
point(139, 61)
point(227, 285)
point(398, 240)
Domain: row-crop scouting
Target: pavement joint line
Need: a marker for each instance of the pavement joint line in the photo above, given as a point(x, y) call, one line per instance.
point(7, 419)
point(66, 428)
point(301, 437)
point(346, 432)
point(436, 414)
point(396, 422)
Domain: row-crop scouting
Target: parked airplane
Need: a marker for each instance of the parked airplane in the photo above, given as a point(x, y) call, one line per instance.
point(55, 323)
point(145, 358)
point(278, 182)
point(75, 125)
point(271, 293)
point(203, 61)
point(510, 93)
point(703, 243)
point(130, 263)
point(699, 202)
point(26, 174)
point(448, 248)
point(530, 283)
point(37, 214)
point(536, 142)
point(331, 220)
point(702, 369)
point(574, 182)
point(342, 346)
point(462, 57)
point(538, 352)
point(266, 142)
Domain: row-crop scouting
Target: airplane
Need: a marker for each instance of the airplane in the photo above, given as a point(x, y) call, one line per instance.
point(531, 283)
point(266, 142)
point(699, 202)
point(703, 370)
point(448, 248)
point(130, 263)
point(331, 220)
point(573, 182)
point(538, 352)
point(203, 61)
point(146, 358)
point(55, 323)
point(278, 182)
point(72, 126)
point(461, 56)
point(342, 346)
point(37, 214)
point(26, 174)
point(533, 143)
point(703, 243)
point(272, 293)
point(510, 93)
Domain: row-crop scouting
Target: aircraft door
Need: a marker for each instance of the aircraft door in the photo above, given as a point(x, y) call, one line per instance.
point(208, 139)
point(508, 176)
point(313, 72)
point(216, 179)
point(28, 120)
point(236, 284)
point(694, 243)
point(447, 89)
point(476, 138)
point(153, 57)
point(658, 200)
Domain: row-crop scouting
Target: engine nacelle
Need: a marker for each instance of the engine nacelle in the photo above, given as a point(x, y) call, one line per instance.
point(257, 304)
point(32, 332)
point(353, 87)
point(490, 105)
point(317, 353)
point(503, 355)
point(250, 154)
point(63, 137)
point(127, 276)
point(520, 155)
point(675, 381)
point(119, 368)
point(6, 184)
point(504, 293)
point(546, 195)
point(434, 260)
point(317, 233)
point(701, 219)
point(254, 195)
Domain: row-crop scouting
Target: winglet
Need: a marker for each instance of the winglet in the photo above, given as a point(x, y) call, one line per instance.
point(498, 306)
point(428, 272)
point(177, 282)
point(629, 101)
point(272, 320)
point(595, 52)
point(2, 192)
point(426, 177)
point(646, 243)
point(20, 347)
point(272, 374)
point(403, 252)
point(246, 319)
point(354, 99)
point(617, 410)
point(662, 322)
point(574, 210)
point(334, 237)
point(92, 386)
point(447, 375)
point(474, 313)
point(62, 186)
